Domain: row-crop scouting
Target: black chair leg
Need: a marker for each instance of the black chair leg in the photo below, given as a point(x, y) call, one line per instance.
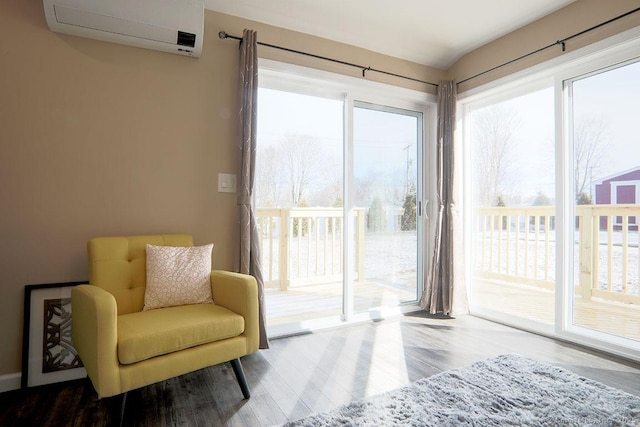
point(237, 369)
point(123, 402)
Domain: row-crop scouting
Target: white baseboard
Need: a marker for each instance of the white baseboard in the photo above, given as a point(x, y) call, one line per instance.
point(10, 382)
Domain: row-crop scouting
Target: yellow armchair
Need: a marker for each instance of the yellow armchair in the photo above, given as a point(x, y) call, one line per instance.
point(123, 347)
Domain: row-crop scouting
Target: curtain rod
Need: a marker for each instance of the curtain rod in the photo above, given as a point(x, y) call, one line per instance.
point(223, 35)
point(559, 42)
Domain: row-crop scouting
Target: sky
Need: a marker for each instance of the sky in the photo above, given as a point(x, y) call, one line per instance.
point(531, 156)
point(384, 142)
point(376, 133)
point(281, 113)
point(612, 97)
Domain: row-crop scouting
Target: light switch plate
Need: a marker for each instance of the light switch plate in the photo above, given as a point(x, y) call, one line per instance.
point(226, 183)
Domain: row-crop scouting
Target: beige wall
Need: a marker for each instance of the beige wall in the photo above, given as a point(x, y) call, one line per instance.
point(565, 22)
point(101, 139)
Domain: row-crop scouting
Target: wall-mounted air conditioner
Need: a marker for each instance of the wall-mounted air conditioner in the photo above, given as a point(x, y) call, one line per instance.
point(175, 26)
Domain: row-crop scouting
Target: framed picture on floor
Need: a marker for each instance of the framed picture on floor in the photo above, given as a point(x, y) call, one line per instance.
point(48, 355)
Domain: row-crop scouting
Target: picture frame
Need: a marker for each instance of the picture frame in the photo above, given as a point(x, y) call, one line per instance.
point(48, 355)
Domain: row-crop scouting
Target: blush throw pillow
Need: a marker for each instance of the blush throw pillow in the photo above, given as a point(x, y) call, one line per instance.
point(178, 276)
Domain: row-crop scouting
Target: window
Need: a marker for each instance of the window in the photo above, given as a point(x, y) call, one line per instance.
point(511, 149)
point(385, 178)
point(606, 172)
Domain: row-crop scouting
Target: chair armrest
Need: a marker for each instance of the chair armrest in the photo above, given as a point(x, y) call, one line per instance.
point(239, 293)
point(94, 315)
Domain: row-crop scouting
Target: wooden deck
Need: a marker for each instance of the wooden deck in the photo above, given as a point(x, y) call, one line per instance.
point(314, 301)
point(537, 304)
point(303, 303)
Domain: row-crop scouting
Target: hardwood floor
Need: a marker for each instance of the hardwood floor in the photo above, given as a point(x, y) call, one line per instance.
point(311, 373)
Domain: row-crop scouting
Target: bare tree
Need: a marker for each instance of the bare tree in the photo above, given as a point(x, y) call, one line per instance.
point(330, 188)
point(297, 170)
point(268, 180)
point(588, 147)
point(303, 161)
point(494, 129)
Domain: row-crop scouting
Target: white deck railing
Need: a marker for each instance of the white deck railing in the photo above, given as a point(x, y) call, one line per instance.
point(517, 245)
point(609, 252)
point(513, 244)
point(306, 244)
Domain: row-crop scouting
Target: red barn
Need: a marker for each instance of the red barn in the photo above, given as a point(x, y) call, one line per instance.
point(619, 189)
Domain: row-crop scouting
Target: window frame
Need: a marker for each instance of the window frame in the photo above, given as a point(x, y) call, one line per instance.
point(593, 59)
point(354, 91)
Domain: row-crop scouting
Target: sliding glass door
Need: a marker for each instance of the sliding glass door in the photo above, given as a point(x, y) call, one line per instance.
point(299, 205)
point(387, 146)
point(552, 201)
point(338, 198)
point(603, 127)
point(512, 200)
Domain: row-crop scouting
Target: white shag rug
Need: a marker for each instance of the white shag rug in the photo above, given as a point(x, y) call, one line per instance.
point(509, 390)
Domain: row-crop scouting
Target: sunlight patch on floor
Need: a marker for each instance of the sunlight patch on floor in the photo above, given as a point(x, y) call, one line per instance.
point(389, 359)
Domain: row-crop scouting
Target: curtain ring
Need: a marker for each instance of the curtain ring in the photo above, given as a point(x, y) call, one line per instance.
point(561, 43)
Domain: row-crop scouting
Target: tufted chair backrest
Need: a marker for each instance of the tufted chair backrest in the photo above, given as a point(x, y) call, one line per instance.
point(119, 265)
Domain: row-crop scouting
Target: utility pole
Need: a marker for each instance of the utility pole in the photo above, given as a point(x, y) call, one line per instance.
point(406, 187)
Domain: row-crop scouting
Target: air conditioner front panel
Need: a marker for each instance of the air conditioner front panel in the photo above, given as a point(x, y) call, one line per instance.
point(88, 20)
point(177, 29)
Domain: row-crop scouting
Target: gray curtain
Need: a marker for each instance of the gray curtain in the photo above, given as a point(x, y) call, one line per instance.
point(438, 293)
point(250, 261)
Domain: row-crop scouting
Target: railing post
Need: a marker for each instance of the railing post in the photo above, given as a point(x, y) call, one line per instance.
point(585, 215)
point(283, 251)
point(360, 244)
